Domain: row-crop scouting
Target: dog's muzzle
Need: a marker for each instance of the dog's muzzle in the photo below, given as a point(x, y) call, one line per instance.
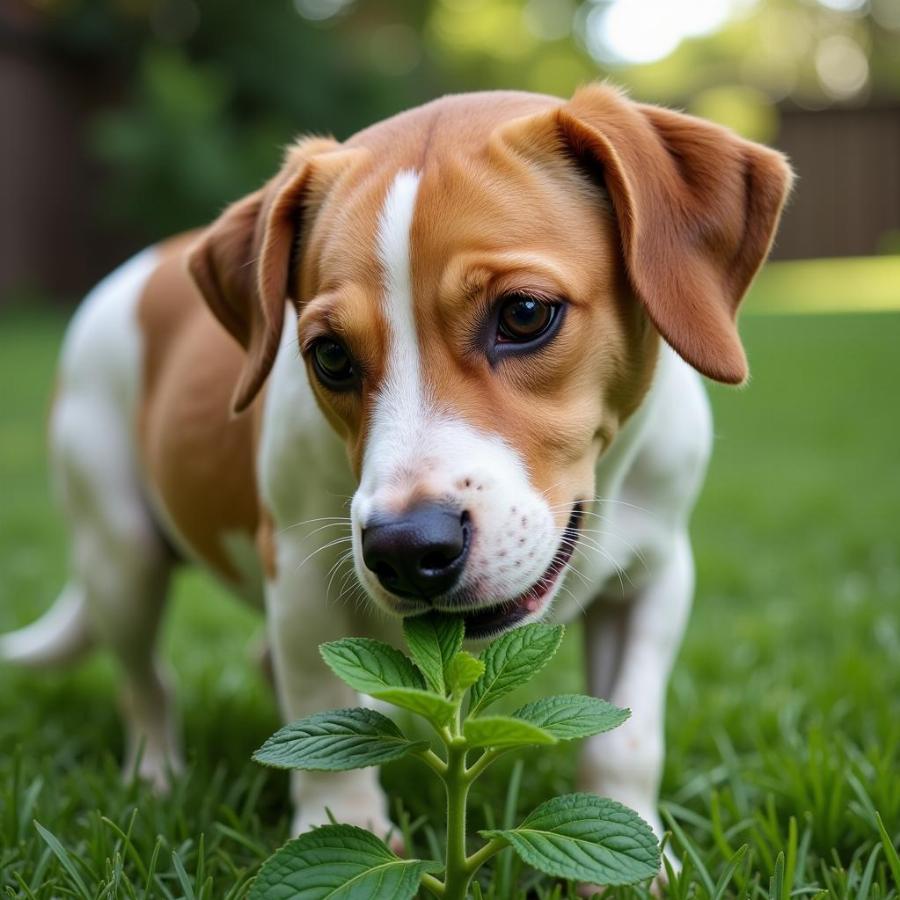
point(420, 553)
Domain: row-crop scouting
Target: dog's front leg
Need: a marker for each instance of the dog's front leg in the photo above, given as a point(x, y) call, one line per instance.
point(299, 618)
point(630, 647)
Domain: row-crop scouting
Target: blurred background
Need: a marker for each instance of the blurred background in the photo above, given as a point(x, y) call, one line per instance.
point(127, 120)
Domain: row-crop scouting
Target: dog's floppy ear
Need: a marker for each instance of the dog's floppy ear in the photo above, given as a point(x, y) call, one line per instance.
point(241, 263)
point(697, 209)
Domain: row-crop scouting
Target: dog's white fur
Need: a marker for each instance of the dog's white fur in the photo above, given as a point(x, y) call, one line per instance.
point(632, 571)
point(119, 566)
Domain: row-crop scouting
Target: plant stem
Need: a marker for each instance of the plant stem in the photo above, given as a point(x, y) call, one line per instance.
point(433, 761)
point(458, 873)
point(430, 883)
point(486, 759)
point(480, 857)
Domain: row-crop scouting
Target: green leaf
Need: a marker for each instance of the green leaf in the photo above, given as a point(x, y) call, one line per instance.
point(60, 852)
point(585, 838)
point(433, 641)
point(183, 878)
point(513, 659)
point(502, 731)
point(572, 716)
point(335, 741)
point(434, 707)
point(369, 666)
point(890, 851)
point(464, 670)
point(338, 862)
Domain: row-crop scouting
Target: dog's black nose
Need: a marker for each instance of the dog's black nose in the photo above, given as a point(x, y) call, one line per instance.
point(420, 553)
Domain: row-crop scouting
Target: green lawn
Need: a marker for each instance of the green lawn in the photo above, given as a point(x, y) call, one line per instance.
point(861, 284)
point(784, 720)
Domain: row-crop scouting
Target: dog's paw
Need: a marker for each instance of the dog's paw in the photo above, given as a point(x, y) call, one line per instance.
point(363, 812)
point(657, 886)
point(157, 770)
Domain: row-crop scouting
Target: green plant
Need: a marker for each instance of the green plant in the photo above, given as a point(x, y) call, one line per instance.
point(578, 836)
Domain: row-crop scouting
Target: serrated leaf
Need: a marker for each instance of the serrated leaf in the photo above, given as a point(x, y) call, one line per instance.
point(335, 741)
point(585, 838)
point(464, 670)
point(571, 716)
point(433, 641)
point(513, 659)
point(434, 707)
point(503, 731)
point(337, 862)
point(369, 666)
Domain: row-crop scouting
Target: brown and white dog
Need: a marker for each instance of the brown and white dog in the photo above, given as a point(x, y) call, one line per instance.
point(482, 320)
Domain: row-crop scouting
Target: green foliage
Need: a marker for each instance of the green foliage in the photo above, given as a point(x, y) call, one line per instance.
point(503, 731)
point(176, 154)
point(433, 642)
point(464, 670)
point(206, 95)
point(514, 659)
point(572, 716)
point(585, 838)
point(335, 741)
point(576, 837)
point(437, 709)
point(370, 666)
point(337, 861)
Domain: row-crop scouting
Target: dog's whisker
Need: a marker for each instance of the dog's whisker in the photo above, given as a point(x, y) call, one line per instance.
point(335, 569)
point(616, 536)
point(590, 545)
point(342, 558)
point(341, 540)
point(616, 501)
point(312, 521)
point(347, 582)
point(572, 597)
point(611, 501)
point(574, 571)
point(321, 528)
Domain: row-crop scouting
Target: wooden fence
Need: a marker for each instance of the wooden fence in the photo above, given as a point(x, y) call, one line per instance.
point(847, 198)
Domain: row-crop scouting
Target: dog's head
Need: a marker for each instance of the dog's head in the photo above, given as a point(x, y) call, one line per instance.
point(481, 284)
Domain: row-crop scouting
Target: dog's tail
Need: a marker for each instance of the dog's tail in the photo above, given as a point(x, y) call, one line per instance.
point(60, 637)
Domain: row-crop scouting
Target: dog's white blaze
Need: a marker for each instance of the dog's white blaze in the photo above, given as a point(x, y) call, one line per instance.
point(401, 409)
point(395, 255)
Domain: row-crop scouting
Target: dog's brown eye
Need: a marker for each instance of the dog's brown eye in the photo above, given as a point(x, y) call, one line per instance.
point(333, 365)
point(523, 318)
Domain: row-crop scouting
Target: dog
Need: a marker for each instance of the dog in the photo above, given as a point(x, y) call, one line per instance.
point(482, 323)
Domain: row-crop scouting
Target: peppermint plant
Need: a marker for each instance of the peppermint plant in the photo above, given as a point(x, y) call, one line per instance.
point(580, 836)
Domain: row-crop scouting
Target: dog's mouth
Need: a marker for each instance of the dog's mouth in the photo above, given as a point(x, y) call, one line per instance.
point(488, 621)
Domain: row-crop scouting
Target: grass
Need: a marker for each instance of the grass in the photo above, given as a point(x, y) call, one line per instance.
point(784, 714)
point(863, 284)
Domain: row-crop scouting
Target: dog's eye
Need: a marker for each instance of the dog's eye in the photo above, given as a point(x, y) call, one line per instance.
point(523, 318)
point(333, 365)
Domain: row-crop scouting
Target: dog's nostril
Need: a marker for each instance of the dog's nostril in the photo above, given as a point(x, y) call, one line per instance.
point(435, 560)
point(419, 553)
point(385, 572)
